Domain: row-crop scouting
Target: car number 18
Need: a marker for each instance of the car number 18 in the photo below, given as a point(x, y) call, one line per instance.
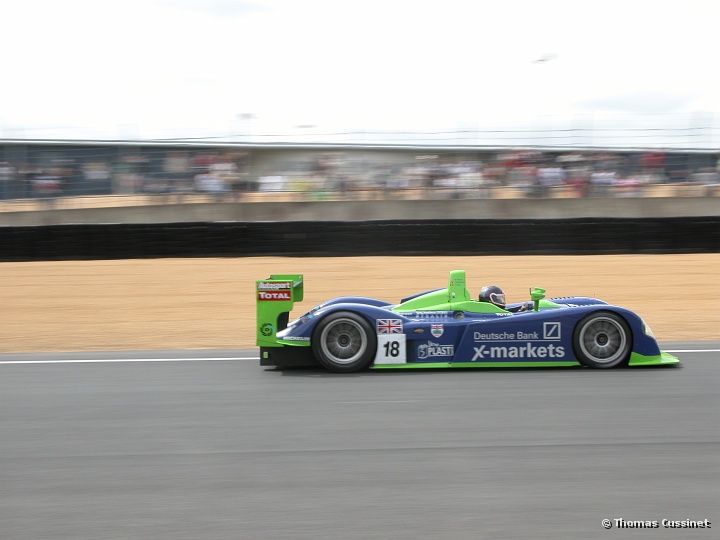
point(391, 349)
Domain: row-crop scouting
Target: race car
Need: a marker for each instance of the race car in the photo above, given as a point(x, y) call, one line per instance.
point(447, 328)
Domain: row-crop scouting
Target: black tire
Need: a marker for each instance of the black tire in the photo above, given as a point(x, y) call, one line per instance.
point(602, 340)
point(344, 342)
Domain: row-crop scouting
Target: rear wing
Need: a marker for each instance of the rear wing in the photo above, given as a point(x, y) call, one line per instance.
point(275, 297)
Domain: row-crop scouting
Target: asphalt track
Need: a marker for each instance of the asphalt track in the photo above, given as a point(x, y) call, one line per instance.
point(208, 445)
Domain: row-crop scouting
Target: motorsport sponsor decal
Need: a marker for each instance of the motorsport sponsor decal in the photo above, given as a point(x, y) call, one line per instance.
point(429, 314)
point(389, 326)
point(274, 295)
point(274, 285)
point(527, 350)
point(550, 332)
point(432, 350)
point(296, 338)
point(437, 330)
point(267, 329)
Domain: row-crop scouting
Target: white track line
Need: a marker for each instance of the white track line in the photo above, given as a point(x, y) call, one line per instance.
point(691, 350)
point(126, 360)
point(216, 359)
point(380, 401)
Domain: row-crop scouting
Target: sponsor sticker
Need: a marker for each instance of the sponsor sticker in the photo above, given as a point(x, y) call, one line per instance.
point(550, 332)
point(434, 350)
point(274, 285)
point(431, 314)
point(437, 330)
point(273, 295)
point(526, 350)
point(267, 329)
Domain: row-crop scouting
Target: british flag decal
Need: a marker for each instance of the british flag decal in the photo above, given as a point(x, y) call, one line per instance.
point(389, 326)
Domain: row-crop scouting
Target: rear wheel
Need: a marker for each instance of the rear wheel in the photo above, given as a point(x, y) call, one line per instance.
point(344, 342)
point(602, 340)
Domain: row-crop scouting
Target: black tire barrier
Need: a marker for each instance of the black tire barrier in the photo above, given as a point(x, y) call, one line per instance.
point(344, 238)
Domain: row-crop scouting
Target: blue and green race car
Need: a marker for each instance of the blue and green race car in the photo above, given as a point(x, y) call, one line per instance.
point(446, 328)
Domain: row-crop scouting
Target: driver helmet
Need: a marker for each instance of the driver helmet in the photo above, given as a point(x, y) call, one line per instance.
point(494, 295)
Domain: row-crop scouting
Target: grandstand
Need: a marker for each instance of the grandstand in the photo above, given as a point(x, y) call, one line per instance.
point(35, 174)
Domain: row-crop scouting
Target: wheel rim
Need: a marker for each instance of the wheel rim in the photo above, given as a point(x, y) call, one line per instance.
point(603, 340)
point(343, 341)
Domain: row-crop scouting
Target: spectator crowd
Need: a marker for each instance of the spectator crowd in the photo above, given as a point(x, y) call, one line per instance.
point(228, 174)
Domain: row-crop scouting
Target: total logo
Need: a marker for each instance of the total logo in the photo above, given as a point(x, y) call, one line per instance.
point(483, 352)
point(274, 295)
point(431, 349)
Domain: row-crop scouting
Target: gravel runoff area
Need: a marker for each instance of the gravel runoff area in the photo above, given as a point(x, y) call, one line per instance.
point(159, 304)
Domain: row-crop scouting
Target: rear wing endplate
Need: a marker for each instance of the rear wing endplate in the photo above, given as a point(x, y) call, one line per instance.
point(274, 298)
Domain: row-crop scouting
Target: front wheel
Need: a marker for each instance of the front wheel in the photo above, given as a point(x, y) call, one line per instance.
point(602, 340)
point(344, 342)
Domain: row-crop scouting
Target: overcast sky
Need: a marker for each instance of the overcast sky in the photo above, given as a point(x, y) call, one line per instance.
point(175, 68)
